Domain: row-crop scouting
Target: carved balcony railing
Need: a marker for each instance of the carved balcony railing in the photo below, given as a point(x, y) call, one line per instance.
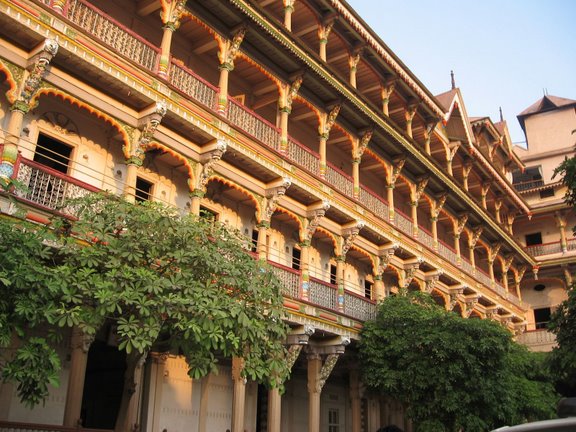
point(358, 306)
point(403, 223)
point(551, 248)
point(253, 124)
point(112, 33)
point(323, 294)
point(536, 338)
point(303, 156)
point(373, 202)
point(447, 252)
point(426, 237)
point(483, 277)
point(48, 188)
point(192, 85)
point(341, 181)
point(467, 266)
point(290, 279)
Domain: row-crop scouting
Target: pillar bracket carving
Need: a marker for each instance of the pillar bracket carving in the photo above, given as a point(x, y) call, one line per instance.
point(147, 127)
point(209, 160)
point(437, 205)
point(410, 111)
point(410, 272)
point(521, 270)
point(508, 258)
point(384, 258)
point(172, 12)
point(314, 217)
point(419, 189)
point(485, 187)
point(37, 70)
point(431, 280)
point(493, 252)
point(363, 143)
point(470, 303)
point(461, 223)
point(229, 48)
point(324, 30)
point(476, 232)
point(349, 234)
point(288, 93)
point(397, 166)
point(293, 354)
point(454, 295)
point(273, 195)
point(328, 120)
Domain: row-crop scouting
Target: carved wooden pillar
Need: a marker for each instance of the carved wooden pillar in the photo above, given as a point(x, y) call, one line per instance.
point(349, 234)
point(228, 50)
point(466, 168)
point(171, 14)
point(428, 131)
point(492, 254)
point(561, 222)
point(434, 214)
point(359, 146)
point(458, 228)
point(24, 102)
point(387, 90)
point(416, 193)
point(137, 148)
point(318, 373)
point(287, 95)
point(497, 207)
point(270, 203)
point(505, 267)
point(355, 400)
point(392, 176)
point(353, 61)
point(327, 120)
point(79, 347)
point(324, 30)
point(288, 11)
point(204, 170)
point(239, 395)
point(451, 150)
point(472, 240)
point(384, 258)
point(314, 215)
point(59, 5)
point(409, 116)
point(485, 187)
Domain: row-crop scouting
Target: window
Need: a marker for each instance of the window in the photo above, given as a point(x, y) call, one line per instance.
point(206, 213)
point(296, 254)
point(52, 153)
point(547, 193)
point(542, 317)
point(254, 241)
point(143, 189)
point(533, 239)
point(333, 420)
point(333, 279)
point(368, 289)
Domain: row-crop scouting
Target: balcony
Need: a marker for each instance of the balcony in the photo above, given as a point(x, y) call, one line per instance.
point(50, 189)
point(551, 248)
point(537, 340)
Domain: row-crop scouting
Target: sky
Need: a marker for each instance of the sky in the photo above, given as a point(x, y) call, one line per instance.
point(504, 53)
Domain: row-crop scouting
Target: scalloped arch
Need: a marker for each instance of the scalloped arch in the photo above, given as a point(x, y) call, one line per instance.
point(216, 177)
point(329, 234)
point(292, 216)
point(178, 156)
point(366, 254)
point(49, 91)
point(378, 159)
point(10, 94)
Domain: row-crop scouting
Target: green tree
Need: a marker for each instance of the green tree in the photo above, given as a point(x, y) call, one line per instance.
point(563, 320)
point(451, 373)
point(164, 282)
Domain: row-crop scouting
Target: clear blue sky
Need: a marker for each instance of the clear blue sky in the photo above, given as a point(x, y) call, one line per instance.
point(503, 52)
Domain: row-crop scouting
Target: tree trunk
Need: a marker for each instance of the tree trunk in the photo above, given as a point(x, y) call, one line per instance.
point(123, 419)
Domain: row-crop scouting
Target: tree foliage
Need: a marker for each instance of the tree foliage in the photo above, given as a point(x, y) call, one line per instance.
point(452, 373)
point(160, 281)
point(563, 320)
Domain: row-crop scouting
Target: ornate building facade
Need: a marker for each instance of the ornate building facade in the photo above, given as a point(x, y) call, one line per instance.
point(293, 122)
